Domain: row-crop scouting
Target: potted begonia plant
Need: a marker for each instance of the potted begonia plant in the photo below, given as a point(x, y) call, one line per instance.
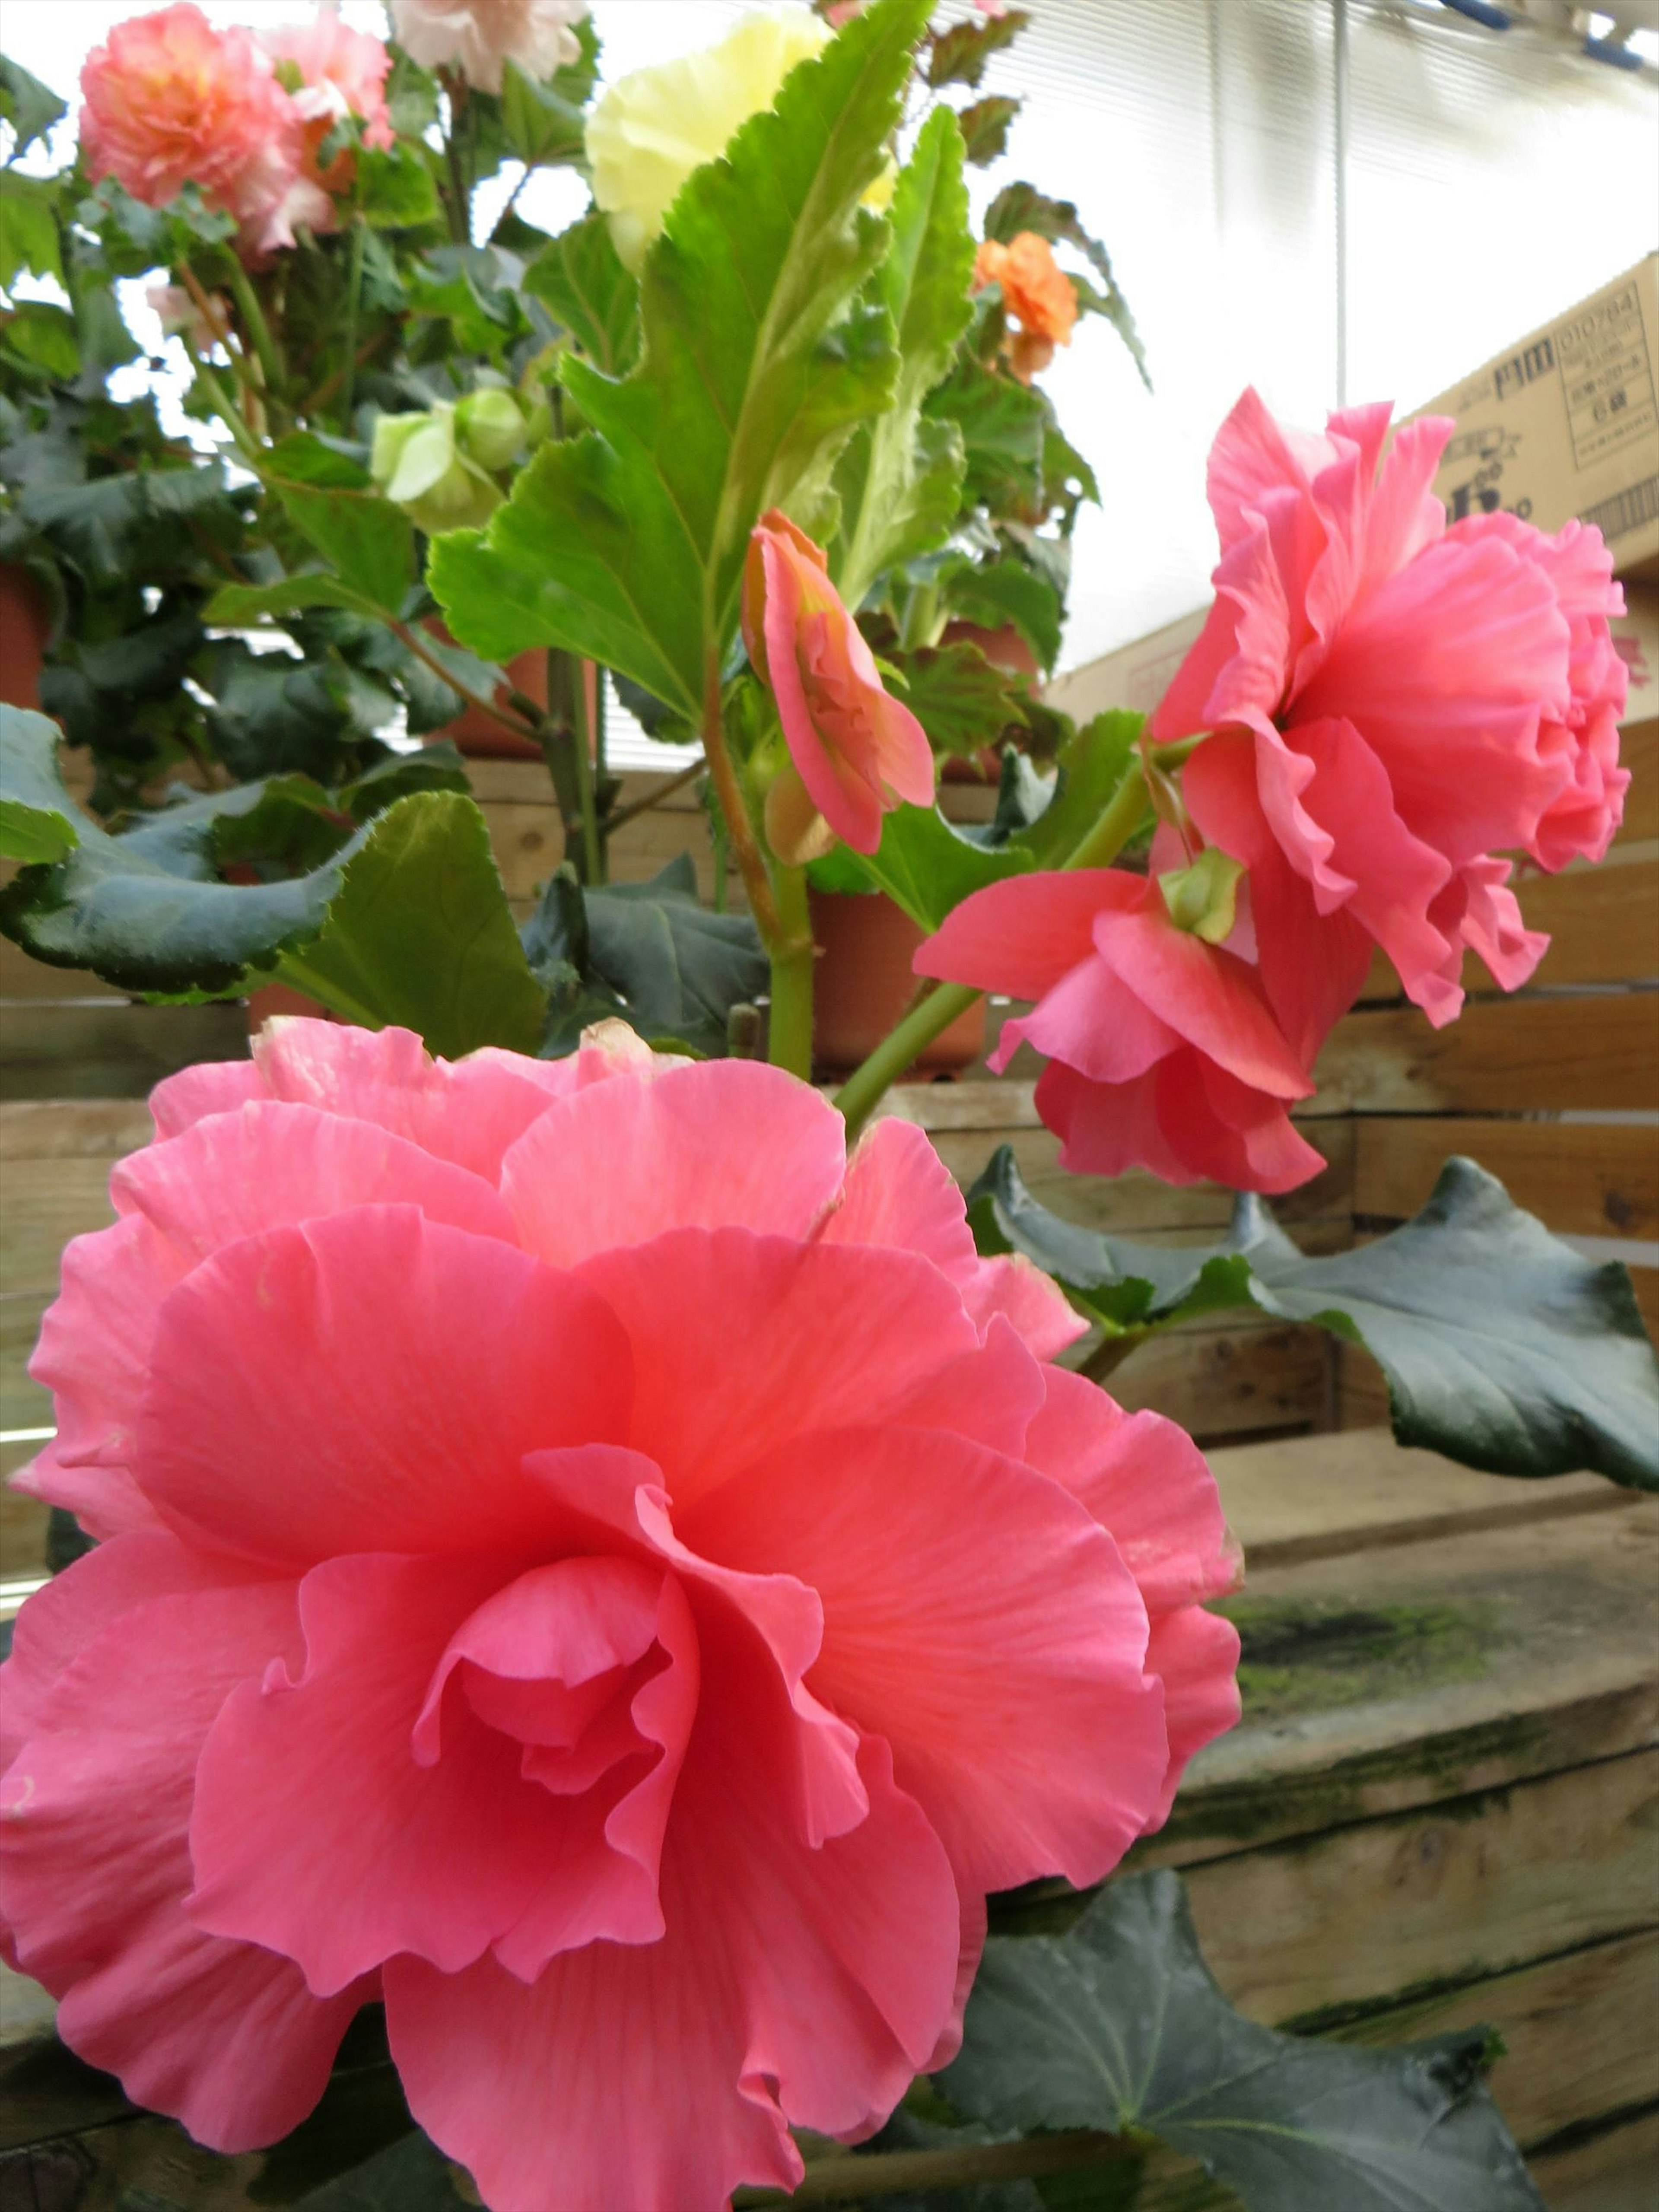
point(607, 1571)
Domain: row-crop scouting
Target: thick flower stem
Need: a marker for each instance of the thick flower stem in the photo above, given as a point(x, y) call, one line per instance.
point(740, 831)
point(790, 1042)
point(862, 1092)
point(257, 329)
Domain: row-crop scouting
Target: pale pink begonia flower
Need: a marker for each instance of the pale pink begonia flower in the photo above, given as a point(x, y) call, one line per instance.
point(588, 1563)
point(855, 751)
point(480, 37)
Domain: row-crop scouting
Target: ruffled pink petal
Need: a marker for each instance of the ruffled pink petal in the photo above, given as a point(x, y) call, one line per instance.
point(1405, 516)
point(1254, 455)
point(1147, 1483)
point(1194, 1655)
point(418, 1363)
point(468, 1111)
point(96, 1865)
point(93, 1356)
point(900, 1194)
point(1096, 1022)
point(1480, 909)
point(1204, 995)
point(682, 1170)
point(980, 1623)
point(744, 1343)
point(1105, 1129)
point(989, 1395)
point(1022, 935)
point(793, 1985)
point(1227, 1132)
point(384, 1814)
point(268, 1166)
point(215, 1086)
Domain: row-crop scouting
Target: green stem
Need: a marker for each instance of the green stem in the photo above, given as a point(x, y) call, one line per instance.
point(593, 845)
point(259, 330)
point(354, 294)
point(457, 200)
point(862, 1092)
point(739, 831)
point(638, 806)
point(791, 1038)
point(246, 444)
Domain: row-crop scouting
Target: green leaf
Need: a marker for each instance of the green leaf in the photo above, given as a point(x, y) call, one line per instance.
point(962, 702)
point(993, 593)
point(627, 544)
point(237, 606)
point(37, 816)
point(1120, 2024)
point(985, 125)
point(900, 478)
point(397, 188)
point(331, 500)
point(960, 54)
point(1003, 425)
point(419, 934)
point(28, 228)
point(114, 524)
point(30, 107)
point(1022, 207)
point(677, 969)
point(543, 127)
point(43, 336)
point(1504, 1348)
point(1093, 762)
point(582, 281)
point(923, 864)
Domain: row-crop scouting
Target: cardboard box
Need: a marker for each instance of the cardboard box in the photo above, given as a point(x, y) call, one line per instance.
point(1136, 675)
point(1565, 422)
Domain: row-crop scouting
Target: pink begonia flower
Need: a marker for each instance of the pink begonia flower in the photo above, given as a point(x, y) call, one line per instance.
point(587, 1563)
point(480, 37)
point(171, 102)
point(342, 73)
point(856, 751)
point(1162, 1051)
point(1403, 703)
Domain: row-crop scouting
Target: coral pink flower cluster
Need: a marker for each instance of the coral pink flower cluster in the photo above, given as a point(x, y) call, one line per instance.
point(172, 101)
point(586, 1563)
point(1385, 709)
point(856, 753)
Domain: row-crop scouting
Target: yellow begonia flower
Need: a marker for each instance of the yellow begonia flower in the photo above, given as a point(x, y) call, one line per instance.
point(654, 126)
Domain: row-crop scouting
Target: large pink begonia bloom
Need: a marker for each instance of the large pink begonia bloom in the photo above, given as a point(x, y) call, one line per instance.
point(480, 37)
point(342, 73)
point(856, 752)
point(172, 101)
point(1398, 704)
point(583, 1560)
point(1161, 1052)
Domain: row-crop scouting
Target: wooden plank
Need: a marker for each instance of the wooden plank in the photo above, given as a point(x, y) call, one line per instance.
point(55, 1048)
point(1322, 1498)
point(1584, 1179)
point(1230, 1381)
point(1389, 1679)
point(1555, 1055)
point(1454, 1892)
point(53, 1202)
point(21, 977)
point(1639, 751)
point(1615, 2170)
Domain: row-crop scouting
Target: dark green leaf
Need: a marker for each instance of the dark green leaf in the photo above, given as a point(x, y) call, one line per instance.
point(30, 107)
point(627, 544)
point(419, 934)
point(578, 275)
point(37, 817)
point(116, 524)
point(331, 502)
point(1504, 1348)
point(922, 864)
point(28, 228)
point(900, 478)
point(272, 713)
point(1120, 1285)
point(543, 127)
point(985, 125)
point(992, 592)
point(1119, 2025)
point(409, 2175)
point(677, 969)
point(960, 54)
point(1022, 207)
point(1093, 760)
point(241, 606)
point(44, 336)
point(396, 186)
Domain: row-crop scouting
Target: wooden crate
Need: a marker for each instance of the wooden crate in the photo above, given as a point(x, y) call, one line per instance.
point(1439, 1810)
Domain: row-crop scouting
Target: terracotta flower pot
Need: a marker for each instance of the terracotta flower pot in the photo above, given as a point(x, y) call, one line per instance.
point(25, 627)
point(473, 731)
point(282, 999)
point(863, 982)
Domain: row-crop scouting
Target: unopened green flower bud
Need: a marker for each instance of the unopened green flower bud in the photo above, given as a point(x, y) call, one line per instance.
point(417, 463)
point(490, 426)
point(1204, 898)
